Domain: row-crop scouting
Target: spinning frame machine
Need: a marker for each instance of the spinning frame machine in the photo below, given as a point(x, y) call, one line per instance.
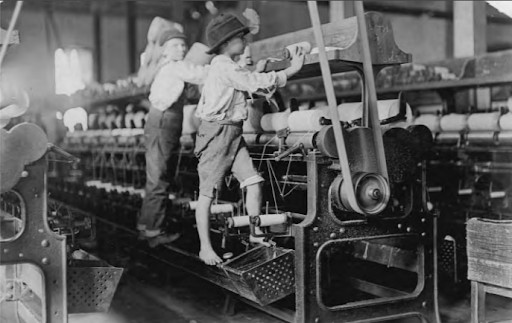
point(353, 237)
point(44, 275)
point(468, 177)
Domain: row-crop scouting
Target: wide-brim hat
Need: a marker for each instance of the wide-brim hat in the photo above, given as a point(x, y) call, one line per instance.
point(221, 29)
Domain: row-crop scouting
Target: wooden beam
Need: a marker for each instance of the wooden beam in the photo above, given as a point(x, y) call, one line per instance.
point(469, 39)
point(336, 10)
point(469, 28)
point(177, 11)
point(131, 30)
point(341, 34)
point(96, 32)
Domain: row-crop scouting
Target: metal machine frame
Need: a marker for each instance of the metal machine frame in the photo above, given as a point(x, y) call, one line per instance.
point(47, 250)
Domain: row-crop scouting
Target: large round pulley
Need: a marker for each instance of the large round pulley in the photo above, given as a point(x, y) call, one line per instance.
point(371, 191)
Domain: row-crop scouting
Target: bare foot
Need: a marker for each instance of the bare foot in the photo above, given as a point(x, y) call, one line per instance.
point(209, 257)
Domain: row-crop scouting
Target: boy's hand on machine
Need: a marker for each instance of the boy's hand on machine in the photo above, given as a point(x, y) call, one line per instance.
point(209, 257)
point(297, 61)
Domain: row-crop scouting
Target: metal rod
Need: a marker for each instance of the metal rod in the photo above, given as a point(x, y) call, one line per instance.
point(331, 99)
point(14, 18)
point(369, 88)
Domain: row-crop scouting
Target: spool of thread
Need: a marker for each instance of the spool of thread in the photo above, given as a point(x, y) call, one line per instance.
point(222, 208)
point(484, 121)
point(454, 122)
point(238, 221)
point(251, 138)
point(275, 121)
point(268, 139)
point(465, 191)
point(304, 121)
point(306, 47)
point(431, 121)
point(498, 195)
point(306, 139)
point(449, 138)
point(190, 121)
point(128, 119)
point(350, 111)
point(254, 115)
point(215, 209)
point(119, 121)
point(265, 220)
point(139, 119)
point(505, 122)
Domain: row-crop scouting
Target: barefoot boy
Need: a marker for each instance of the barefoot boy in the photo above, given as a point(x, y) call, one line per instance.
point(222, 109)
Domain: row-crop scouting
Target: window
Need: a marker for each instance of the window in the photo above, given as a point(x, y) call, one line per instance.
point(73, 70)
point(502, 6)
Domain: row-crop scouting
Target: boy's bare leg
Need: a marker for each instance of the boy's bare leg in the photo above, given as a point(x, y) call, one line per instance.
point(254, 198)
point(206, 253)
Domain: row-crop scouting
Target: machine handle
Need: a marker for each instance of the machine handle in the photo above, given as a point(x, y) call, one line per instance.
point(67, 156)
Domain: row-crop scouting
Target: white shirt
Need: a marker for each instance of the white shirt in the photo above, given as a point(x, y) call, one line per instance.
point(170, 81)
point(223, 96)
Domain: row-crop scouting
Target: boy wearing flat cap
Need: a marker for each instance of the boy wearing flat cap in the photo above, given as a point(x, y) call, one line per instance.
point(222, 109)
point(163, 130)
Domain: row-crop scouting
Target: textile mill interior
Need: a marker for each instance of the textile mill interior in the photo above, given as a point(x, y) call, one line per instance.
point(255, 161)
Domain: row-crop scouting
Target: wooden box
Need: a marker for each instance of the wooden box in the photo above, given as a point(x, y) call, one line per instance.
point(489, 247)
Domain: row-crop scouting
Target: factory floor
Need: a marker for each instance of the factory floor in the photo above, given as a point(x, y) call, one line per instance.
point(175, 296)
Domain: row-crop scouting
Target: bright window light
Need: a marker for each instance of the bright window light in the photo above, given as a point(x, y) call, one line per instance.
point(502, 6)
point(73, 70)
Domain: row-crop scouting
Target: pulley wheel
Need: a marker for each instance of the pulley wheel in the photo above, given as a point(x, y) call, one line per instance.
point(371, 190)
